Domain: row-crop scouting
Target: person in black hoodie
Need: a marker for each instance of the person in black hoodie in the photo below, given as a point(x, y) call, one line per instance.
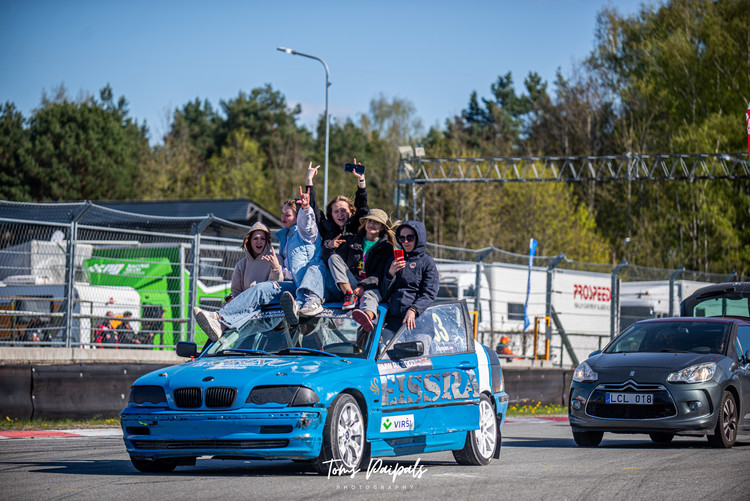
point(341, 220)
point(359, 268)
point(410, 283)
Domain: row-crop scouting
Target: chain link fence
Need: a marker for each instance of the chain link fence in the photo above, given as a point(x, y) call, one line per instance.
point(82, 275)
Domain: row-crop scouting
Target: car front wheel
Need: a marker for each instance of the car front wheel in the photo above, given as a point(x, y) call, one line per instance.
point(588, 438)
point(480, 444)
point(725, 432)
point(344, 441)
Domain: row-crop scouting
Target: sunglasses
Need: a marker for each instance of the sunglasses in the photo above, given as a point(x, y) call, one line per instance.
point(406, 238)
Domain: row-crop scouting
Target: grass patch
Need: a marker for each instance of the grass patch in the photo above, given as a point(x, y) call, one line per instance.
point(536, 409)
point(9, 423)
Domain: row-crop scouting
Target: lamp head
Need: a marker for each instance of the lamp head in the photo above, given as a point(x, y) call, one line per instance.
point(285, 49)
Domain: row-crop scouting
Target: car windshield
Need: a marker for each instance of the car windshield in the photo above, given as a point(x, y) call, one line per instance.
point(689, 337)
point(336, 334)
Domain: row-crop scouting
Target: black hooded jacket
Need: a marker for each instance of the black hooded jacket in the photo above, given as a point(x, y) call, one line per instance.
point(329, 230)
point(416, 285)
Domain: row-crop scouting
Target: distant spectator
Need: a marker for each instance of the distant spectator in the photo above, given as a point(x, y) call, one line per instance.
point(503, 349)
point(105, 333)
point(125, 332)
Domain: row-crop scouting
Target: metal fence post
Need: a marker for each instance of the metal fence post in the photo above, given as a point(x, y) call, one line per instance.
point(478, 287)
point(614, 303)
point(195, 272)
point(671, 288)
point(548, 298)
point(70, 275)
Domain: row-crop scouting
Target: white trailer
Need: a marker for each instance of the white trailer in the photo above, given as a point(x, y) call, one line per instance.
point(650, 299)
point(44, 305)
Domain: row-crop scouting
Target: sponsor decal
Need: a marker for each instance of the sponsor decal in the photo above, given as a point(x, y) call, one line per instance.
point(591, 297)
point(131, 269)
point(375, 386)
point(446, 386)
point(242, 363)
point(391, 424)
point(415, 364)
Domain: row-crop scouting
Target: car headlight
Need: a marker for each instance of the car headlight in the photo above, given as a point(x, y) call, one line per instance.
point(694, 374)
point(295, 396)
point(147, 394)
point(584, 373)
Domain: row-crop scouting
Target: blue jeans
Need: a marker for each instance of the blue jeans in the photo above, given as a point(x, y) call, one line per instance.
point(317, 280)
point(241, 309)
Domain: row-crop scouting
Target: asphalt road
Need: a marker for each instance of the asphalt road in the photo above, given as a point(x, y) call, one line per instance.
point(539, 460)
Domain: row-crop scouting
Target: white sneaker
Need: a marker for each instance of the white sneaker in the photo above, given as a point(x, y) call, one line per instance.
point(313, 306)
point(290, 307)
point(209, 322)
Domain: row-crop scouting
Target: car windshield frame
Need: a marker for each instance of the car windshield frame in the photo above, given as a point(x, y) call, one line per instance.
point(330, 333)
point(678, 336)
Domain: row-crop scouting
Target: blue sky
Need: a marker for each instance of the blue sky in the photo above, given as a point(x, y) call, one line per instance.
point(162, 54)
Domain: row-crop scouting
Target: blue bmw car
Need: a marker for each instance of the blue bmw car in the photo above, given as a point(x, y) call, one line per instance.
point(323, 391)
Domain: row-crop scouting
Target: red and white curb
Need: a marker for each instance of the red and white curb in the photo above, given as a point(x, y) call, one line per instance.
point(93, 432)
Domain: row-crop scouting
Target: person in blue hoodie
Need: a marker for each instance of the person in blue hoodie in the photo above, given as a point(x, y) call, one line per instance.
point(410, 283)
point(304, 276)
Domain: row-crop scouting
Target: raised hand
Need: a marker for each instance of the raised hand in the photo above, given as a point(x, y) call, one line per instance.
point(360, 177)
point(304, 198)
point(311, 171)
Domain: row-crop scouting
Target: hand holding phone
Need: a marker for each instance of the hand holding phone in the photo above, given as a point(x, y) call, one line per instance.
point(398, 254)
point(351, 167)
point(398, 262)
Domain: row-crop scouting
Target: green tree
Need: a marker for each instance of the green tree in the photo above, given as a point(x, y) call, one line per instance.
point(88, 149)
point(15, 159)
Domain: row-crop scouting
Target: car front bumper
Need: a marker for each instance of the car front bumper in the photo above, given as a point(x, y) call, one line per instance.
point(278, 434)
point(691, 410)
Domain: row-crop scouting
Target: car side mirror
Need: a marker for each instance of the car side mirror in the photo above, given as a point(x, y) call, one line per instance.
point(186, 349)
point(408, 349)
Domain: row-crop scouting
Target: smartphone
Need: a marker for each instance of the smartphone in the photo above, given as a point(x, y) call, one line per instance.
point(398, 254)
point(350, 167)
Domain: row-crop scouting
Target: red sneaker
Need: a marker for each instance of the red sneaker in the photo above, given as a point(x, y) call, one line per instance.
point(363, 319)
point(350, 301)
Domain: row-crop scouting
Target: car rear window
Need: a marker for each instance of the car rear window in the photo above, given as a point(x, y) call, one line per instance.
point(721, 307)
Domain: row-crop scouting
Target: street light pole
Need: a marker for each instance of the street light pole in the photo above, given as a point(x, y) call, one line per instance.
point(328, 84)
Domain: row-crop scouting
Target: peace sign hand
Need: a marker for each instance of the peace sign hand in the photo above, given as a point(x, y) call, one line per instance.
point(272, 259)
point(336, 242)
point(311, 171)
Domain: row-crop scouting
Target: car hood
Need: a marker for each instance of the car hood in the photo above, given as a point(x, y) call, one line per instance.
point(616, 362)
point(244, 373)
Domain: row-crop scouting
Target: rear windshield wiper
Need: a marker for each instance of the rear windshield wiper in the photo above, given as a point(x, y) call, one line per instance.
point(240, 351)
point(301, 350)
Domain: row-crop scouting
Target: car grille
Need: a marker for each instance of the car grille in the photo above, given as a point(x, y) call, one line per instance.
point(220, 396)
point(209, 444)
point(187, 398)
point(662, 407)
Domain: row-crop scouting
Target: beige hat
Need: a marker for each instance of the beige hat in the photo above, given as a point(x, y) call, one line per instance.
point(377, 215)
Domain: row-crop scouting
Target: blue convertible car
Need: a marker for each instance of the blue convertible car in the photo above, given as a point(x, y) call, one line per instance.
point(323, 391)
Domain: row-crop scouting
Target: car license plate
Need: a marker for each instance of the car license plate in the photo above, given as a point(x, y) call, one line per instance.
point(630, 398)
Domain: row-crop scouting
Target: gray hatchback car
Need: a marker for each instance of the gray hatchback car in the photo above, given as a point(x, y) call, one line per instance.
point(666, 377)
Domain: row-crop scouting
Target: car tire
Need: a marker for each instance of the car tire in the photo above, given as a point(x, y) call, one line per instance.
point(344, 441)
point(154, 466)
point(588, 438)
point(661, 437)
point(725, 433)
point(481, 444)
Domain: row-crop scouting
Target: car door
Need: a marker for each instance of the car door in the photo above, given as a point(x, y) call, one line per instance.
point(742, 346)
point(431, 395)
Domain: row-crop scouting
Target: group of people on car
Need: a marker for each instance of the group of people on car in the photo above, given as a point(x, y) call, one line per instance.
point(349, 253)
